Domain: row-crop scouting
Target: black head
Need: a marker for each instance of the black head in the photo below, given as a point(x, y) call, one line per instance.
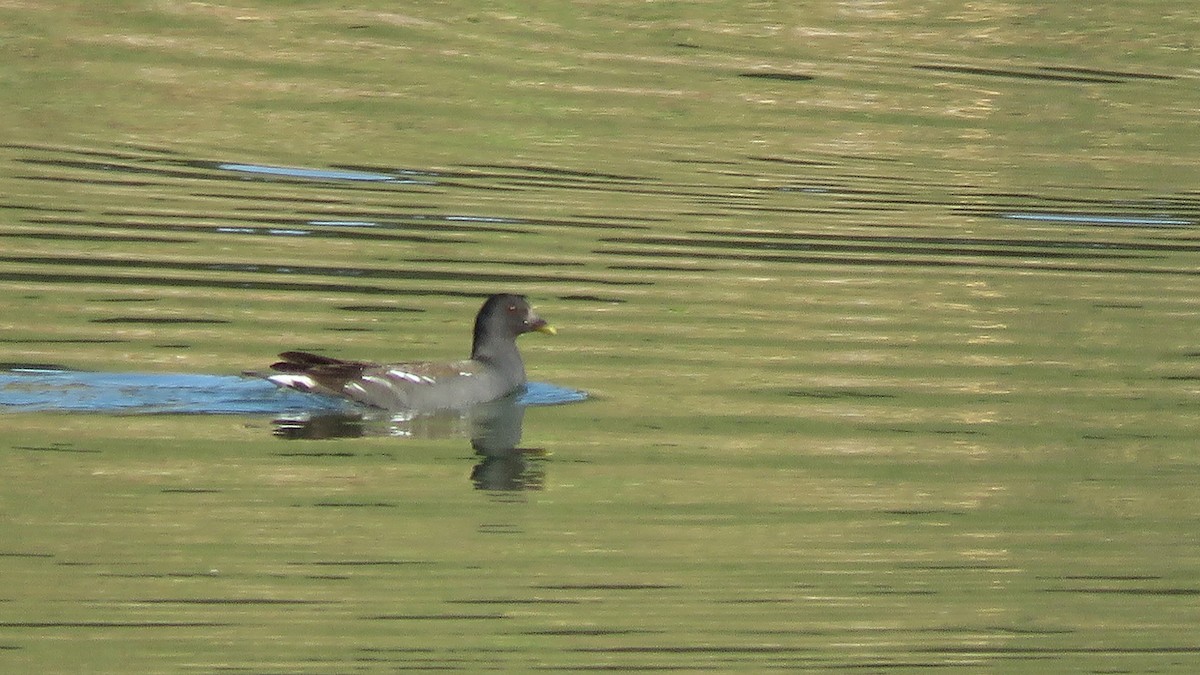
point(504, 317)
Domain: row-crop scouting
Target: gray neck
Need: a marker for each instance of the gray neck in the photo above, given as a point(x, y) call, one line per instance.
point(503, 356)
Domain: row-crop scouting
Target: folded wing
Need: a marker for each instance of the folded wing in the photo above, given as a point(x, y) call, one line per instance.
point(392, 387)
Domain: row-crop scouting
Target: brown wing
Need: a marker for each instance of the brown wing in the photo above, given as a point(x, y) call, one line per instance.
point(325, 370)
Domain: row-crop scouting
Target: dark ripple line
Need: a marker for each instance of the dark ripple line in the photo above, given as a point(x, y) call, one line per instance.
point(554, 171)
point(308, 270)
point(1022, 74)
point(115, 624)
point(123, 165)
point(1142, 203)
point(361, 563)
point(889, 262)
point(55, 448)
point(1128, 591)
point(516, 601)
point(56, 341)
point(778, 76)
point(125, 183)
point(129, 239)
point(432, 617)
point(159, 320)
point(792, 161)
point(183, 282)
point(230, 601)
point(953, 247)
point(234, 228)
point(384, 220)
point(718, 649)
point(606, 587)
point(949, 241)
point(593, 632)
point(86, 152)
point(1187, 649)
point(1108, 73)
point(316, 223)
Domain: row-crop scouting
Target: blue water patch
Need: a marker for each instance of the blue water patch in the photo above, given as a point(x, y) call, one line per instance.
point(542, 393)
point(1095, 219)
point(482, 219)
point(46, 390)
point(343, 223)
point(317, 174)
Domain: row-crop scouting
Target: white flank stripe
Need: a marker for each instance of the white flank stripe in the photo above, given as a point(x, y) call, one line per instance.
point(411, 377)
point(293, 381)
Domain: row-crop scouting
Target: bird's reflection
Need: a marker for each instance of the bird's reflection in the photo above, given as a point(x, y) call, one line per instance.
point(494, 429)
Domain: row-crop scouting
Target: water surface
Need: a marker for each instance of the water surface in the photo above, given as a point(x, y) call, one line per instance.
point(886, 315)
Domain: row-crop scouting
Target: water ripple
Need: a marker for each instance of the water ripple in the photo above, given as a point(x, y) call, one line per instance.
point(54, 390)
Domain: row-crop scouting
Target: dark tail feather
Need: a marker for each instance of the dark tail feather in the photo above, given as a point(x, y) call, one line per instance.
point(308, 359)
point(300, 362)
point(317, 365)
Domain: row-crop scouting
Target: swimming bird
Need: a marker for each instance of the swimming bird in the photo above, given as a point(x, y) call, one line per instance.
point(494, 370)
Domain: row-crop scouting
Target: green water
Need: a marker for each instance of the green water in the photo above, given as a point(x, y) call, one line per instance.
point(887, 312)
